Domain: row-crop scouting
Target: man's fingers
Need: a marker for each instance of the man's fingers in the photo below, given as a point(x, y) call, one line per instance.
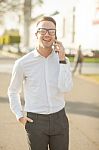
point(58, 42)
point(23, 120)
point(59, 45)
point(28, 119)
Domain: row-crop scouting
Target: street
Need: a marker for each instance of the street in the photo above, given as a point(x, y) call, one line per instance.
point(82, 107)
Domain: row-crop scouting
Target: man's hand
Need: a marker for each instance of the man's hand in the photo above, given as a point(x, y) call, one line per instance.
point(60, 49)
point(23, 120)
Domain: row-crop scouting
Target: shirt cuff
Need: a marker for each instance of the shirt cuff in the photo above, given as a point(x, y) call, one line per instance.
point(18, 116)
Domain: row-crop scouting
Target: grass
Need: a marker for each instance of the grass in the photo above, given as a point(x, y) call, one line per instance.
point(87, 59)
point(91, 60)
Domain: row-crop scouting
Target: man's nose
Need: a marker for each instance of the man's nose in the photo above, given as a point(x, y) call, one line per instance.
point(47, 32)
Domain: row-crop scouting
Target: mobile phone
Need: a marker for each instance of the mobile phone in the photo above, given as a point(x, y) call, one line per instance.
point(55, 39)
point(55, 36)
point(55, 43)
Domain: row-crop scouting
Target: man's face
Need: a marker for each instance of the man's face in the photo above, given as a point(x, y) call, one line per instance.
point(46, 31)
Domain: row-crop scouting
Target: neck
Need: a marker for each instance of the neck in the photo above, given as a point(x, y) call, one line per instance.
point(44, 52)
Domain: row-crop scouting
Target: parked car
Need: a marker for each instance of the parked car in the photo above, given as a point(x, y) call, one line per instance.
point(26, 49)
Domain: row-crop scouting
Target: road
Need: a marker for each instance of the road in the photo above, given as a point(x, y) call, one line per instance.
point(82, 107)
point(89, 68)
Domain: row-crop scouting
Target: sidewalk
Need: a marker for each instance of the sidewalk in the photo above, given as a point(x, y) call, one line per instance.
point(83, 111)
point(82, 107)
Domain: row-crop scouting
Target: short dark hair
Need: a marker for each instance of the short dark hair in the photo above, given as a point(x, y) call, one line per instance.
point(46, 18)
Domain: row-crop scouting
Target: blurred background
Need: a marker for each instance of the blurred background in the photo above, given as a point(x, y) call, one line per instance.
point(77, 23)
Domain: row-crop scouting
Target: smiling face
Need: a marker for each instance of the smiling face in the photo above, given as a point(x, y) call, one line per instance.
point(46, 31)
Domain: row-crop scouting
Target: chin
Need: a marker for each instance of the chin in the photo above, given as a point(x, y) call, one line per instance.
point(49, 47)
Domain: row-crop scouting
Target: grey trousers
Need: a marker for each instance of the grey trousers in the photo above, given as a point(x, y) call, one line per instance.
point(51, 129)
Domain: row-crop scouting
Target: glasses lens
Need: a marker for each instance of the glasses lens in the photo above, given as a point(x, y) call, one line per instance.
point(43, 31)
point(52, 31)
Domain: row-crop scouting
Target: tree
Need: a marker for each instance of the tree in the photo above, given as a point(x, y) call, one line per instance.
point(28, 6)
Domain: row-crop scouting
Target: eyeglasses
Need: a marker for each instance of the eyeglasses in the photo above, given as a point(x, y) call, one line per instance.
point(43, 31)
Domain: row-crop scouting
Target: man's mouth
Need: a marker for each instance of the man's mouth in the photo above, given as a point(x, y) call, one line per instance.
point(46, 40)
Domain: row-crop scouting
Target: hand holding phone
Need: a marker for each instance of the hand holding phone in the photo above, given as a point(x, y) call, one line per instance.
point(59, 48)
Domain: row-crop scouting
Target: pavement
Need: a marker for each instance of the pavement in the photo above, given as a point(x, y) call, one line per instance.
point(83, 112)
point(82, 107)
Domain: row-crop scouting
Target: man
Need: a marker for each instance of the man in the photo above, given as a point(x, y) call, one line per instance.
point(45, 74)
point(78, 60)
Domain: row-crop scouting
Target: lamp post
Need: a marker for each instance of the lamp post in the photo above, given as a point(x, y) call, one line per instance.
point(73, 25)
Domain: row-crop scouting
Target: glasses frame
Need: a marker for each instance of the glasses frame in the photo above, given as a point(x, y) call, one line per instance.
point(47, 30)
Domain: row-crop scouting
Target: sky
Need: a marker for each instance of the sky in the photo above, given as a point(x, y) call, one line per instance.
point(61, 5)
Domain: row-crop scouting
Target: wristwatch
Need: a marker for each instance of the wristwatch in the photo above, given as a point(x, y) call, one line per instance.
point(63, 61)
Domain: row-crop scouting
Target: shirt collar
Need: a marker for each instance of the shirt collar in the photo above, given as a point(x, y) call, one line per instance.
point(37, 54)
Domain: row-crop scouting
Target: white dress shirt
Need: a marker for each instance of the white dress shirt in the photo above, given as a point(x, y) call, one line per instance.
point(44, 83)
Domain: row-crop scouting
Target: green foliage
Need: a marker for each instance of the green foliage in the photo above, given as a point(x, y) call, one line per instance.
point(41, 1)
